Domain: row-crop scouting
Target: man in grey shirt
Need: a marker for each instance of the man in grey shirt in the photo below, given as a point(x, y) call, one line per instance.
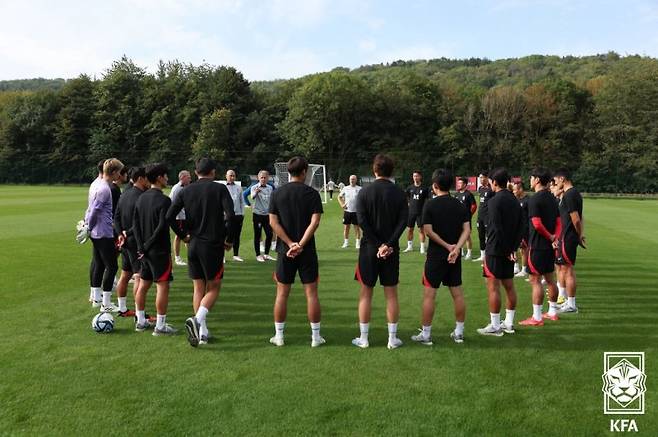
point(235, 191)
point(184, 179)
point(261, 193)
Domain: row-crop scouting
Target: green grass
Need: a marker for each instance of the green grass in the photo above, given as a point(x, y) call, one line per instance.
point(57, 377)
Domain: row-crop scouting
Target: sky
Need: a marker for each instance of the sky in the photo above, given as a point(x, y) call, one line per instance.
point(280, 39)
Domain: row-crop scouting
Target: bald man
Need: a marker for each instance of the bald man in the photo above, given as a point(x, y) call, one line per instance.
point(347, 200)
point(235, 191)
point(184, 179)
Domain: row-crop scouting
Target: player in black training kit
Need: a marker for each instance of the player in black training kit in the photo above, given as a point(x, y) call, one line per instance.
point(447, 224)
point(295, 211)
point(504, 232)
point(151, 231)
point(468, 200)
point(520, 267)
point(572, 236)
point(544, 231)
point(417, 194)
point(209, 215)
point(123, 224)
point(382, 213)
point(485, 193)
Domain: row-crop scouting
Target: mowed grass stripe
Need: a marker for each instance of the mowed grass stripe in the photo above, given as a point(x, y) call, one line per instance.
point(527, 383)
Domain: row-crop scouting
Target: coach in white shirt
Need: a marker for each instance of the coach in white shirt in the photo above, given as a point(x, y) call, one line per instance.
point(347, 200)
point(238, 208)
point(184, 179)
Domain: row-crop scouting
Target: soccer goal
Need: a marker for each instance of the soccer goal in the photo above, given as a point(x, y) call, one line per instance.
point(316, 177)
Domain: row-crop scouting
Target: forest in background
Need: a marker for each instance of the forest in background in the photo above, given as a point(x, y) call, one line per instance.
point(596, 115)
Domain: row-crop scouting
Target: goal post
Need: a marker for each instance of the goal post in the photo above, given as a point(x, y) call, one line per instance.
point(316, 177)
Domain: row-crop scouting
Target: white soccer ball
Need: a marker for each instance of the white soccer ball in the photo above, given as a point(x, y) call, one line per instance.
point(103, 323)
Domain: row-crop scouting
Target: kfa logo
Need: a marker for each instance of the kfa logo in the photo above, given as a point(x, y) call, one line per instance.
point(623, 388)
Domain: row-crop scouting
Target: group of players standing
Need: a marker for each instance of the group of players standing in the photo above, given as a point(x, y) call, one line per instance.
point(138, 224)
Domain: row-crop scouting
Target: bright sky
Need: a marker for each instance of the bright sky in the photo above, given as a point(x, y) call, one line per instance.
point(269, 39)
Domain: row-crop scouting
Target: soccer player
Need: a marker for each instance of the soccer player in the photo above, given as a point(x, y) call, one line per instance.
point(261, 194)
point(545, 230)
point(572, 236)
point(123, 226)
point(184, 179)
point(520, 269)
point(238, 208)
point(295, 212)
point(416, 196)
point(382, 212)
point(98, 218)
point(347, 200)
point(151, 232)
point(467, 199)
point(208, 208)
point(485, 194)
point(504, 229)
point(95, 294)
point(446, 221)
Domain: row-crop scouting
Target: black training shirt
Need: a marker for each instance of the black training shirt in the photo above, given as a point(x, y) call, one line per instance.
point(123, 216)
point(571, 201)
point(382, 213)
point(523, 202)
point(542, 205)
point(116, 195)
point(295, 203)
point(504, 224)
point(467, 198)
point(447, 216)
point(208, 211)
point(150, 226)
point(485, 193)
point(416, 197)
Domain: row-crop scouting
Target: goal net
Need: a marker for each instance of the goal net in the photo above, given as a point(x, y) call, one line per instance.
point(316, 177)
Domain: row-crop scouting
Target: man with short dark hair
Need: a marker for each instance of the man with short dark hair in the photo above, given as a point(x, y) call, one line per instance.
point(520, 267)
point(151, 231)
point(123, 226)
point(504, 228)
point(417, 194)
point(572, 235)
point(545, 229)
point(184, 180)
point(447, 225)
point(465, 196)
point(295, 212)
point(485, 194)
point(382, 212)
point(347, 200)
point(208, 228)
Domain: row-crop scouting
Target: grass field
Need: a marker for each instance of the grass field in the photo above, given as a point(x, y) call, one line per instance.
point(58, 377)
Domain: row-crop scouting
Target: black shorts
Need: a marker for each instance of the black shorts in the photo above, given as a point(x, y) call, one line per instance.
point(440, 271)
point(205, 260)
point(497, 267)
point(306, 264)
point(129, 261)
point(369, 267)
point(415, 219)
point(566, 252)
point(349, 218)
point(156, 267)
point(541, 262)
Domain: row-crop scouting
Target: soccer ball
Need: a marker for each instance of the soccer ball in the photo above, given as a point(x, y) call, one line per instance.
point(103, 323)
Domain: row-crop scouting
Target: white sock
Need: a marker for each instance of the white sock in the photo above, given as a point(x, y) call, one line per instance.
point(273, 245)
point(278, 328)
point(160, 321)
point(203, 328)
point(482, 254)
point(536, 312)
point(201, 314)
point(459, 328)
point(122, 304)
point(427, 331)
point(468, 252)
point(141, 317)
point(91, 293)
point(98, 296)
point(509, 317)
point(410, 244)
point(346, 241)
point(107, 298)
point(563, 291)
point(357, 241)
point(392, 331)
point(495, 320)
point(364, 328)
point(552, 308)
point(315, 331)
point(571, 301)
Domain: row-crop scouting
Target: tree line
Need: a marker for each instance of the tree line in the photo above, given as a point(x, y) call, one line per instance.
point(594, 115)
